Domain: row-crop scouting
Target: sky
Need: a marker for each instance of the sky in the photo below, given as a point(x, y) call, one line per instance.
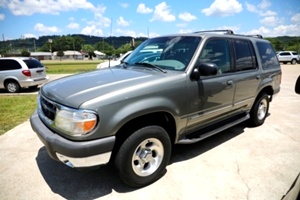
point(105, 18)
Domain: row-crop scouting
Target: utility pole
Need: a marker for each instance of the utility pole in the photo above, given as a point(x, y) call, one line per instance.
point(34, 47)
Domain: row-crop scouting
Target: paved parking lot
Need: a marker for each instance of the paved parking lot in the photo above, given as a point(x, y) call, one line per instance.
point(239, 163)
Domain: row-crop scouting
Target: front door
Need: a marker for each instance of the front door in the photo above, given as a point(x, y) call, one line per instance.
point(211, 97)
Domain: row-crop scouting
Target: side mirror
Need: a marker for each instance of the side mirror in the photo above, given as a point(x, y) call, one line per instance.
point(204, 69)
point(297, 86)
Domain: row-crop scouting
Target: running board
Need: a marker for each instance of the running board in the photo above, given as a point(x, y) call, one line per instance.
point(212, 132)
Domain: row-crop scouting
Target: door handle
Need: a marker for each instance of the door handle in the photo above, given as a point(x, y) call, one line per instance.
point(230, 82)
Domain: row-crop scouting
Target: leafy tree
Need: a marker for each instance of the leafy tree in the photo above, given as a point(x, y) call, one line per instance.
point(104, 47)
point(25, 53)
point(124, 48)
point(90, 50)
point(60, 54)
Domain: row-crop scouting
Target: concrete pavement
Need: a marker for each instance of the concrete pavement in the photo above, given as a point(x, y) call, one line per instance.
point(239, 163)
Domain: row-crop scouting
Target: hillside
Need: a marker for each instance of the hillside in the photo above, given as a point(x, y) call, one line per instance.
point(32, 44)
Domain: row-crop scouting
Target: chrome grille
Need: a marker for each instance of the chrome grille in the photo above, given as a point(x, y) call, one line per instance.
point(48, 108)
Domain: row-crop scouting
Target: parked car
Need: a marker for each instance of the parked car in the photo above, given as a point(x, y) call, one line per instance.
point(112, 63)
point(21, 72)
point(196, 85)
point(288, 56)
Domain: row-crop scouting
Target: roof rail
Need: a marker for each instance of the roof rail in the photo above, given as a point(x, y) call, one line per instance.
point(258, 36)
point(230, 32)
point(226, 31)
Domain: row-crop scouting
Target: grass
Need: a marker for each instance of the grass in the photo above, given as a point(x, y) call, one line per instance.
point(18, 108)
point(70, 66)
point(15, 110)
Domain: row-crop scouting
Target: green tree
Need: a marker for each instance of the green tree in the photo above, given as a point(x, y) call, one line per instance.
point(90, 50)
point(104, 47)
point(25, 53)
point(60, 54)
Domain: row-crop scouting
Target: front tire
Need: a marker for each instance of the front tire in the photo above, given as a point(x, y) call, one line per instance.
point(294, 62)
point(143, 156)
point(260, 110)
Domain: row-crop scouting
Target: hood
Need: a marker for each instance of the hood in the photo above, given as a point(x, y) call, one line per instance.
point(74, 90)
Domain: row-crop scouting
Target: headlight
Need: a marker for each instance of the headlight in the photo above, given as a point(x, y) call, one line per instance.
point(75, 123)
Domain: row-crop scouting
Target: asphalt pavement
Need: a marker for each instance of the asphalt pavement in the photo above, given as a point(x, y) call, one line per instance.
point(236, 164)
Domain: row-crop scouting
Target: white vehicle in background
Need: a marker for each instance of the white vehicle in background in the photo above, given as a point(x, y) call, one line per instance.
point(112, 63)
point(288, 56)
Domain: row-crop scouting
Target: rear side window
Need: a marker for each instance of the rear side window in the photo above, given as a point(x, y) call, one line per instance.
point(32, 63)
point(7, 64)
point(268, 56)
point(244, 54)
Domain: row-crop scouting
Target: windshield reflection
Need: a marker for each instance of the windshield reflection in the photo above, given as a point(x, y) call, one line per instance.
point(170, 53)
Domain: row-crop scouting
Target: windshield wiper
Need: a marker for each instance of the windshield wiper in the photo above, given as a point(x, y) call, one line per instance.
point(150, 65)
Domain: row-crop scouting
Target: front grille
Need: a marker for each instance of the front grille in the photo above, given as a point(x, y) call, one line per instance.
point(48, 108)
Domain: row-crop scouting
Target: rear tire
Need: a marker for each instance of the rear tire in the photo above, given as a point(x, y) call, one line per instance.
point(143, 156)
point(12, 86)
point(260, 110)
point(294, 62)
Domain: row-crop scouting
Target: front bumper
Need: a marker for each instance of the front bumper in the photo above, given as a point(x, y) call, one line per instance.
point(78, 154)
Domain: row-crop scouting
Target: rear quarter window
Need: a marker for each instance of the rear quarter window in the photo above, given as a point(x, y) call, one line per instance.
point(7, 64)
point(267, 55)
point(32, 64)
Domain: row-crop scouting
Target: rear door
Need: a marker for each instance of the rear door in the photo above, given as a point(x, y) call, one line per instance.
point(247, 77)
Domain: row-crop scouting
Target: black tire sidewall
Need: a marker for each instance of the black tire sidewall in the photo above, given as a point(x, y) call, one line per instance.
point(12, 82)
point(124, 157)
point(253, 114)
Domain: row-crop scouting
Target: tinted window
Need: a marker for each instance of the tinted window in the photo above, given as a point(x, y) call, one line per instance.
point(285, 54)
point(217, 51)
point(245, 59)
point(32, 63)
point(267, 55)
point(9, 65)
point(295, 53)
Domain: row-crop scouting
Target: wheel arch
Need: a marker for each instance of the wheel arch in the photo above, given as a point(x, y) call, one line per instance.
point(163, 119)
point(10, 79)
point(268, 90)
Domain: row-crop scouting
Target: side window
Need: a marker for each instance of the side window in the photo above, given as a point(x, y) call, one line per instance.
point(267, 55)
point(217, 51)
point(9, 65)
point(245, 58)
point(285, 54)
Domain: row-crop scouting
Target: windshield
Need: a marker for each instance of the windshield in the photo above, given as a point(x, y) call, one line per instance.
point(170, 53)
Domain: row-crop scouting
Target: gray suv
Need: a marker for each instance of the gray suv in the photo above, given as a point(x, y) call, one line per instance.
point(21, 72)
point(174, 89)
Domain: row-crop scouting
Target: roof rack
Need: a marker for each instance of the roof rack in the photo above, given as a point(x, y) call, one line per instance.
point(229, 32)
point(258, 36)
point(226, 31)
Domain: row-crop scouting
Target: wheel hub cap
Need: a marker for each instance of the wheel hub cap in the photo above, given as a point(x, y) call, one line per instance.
point(147, 157)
